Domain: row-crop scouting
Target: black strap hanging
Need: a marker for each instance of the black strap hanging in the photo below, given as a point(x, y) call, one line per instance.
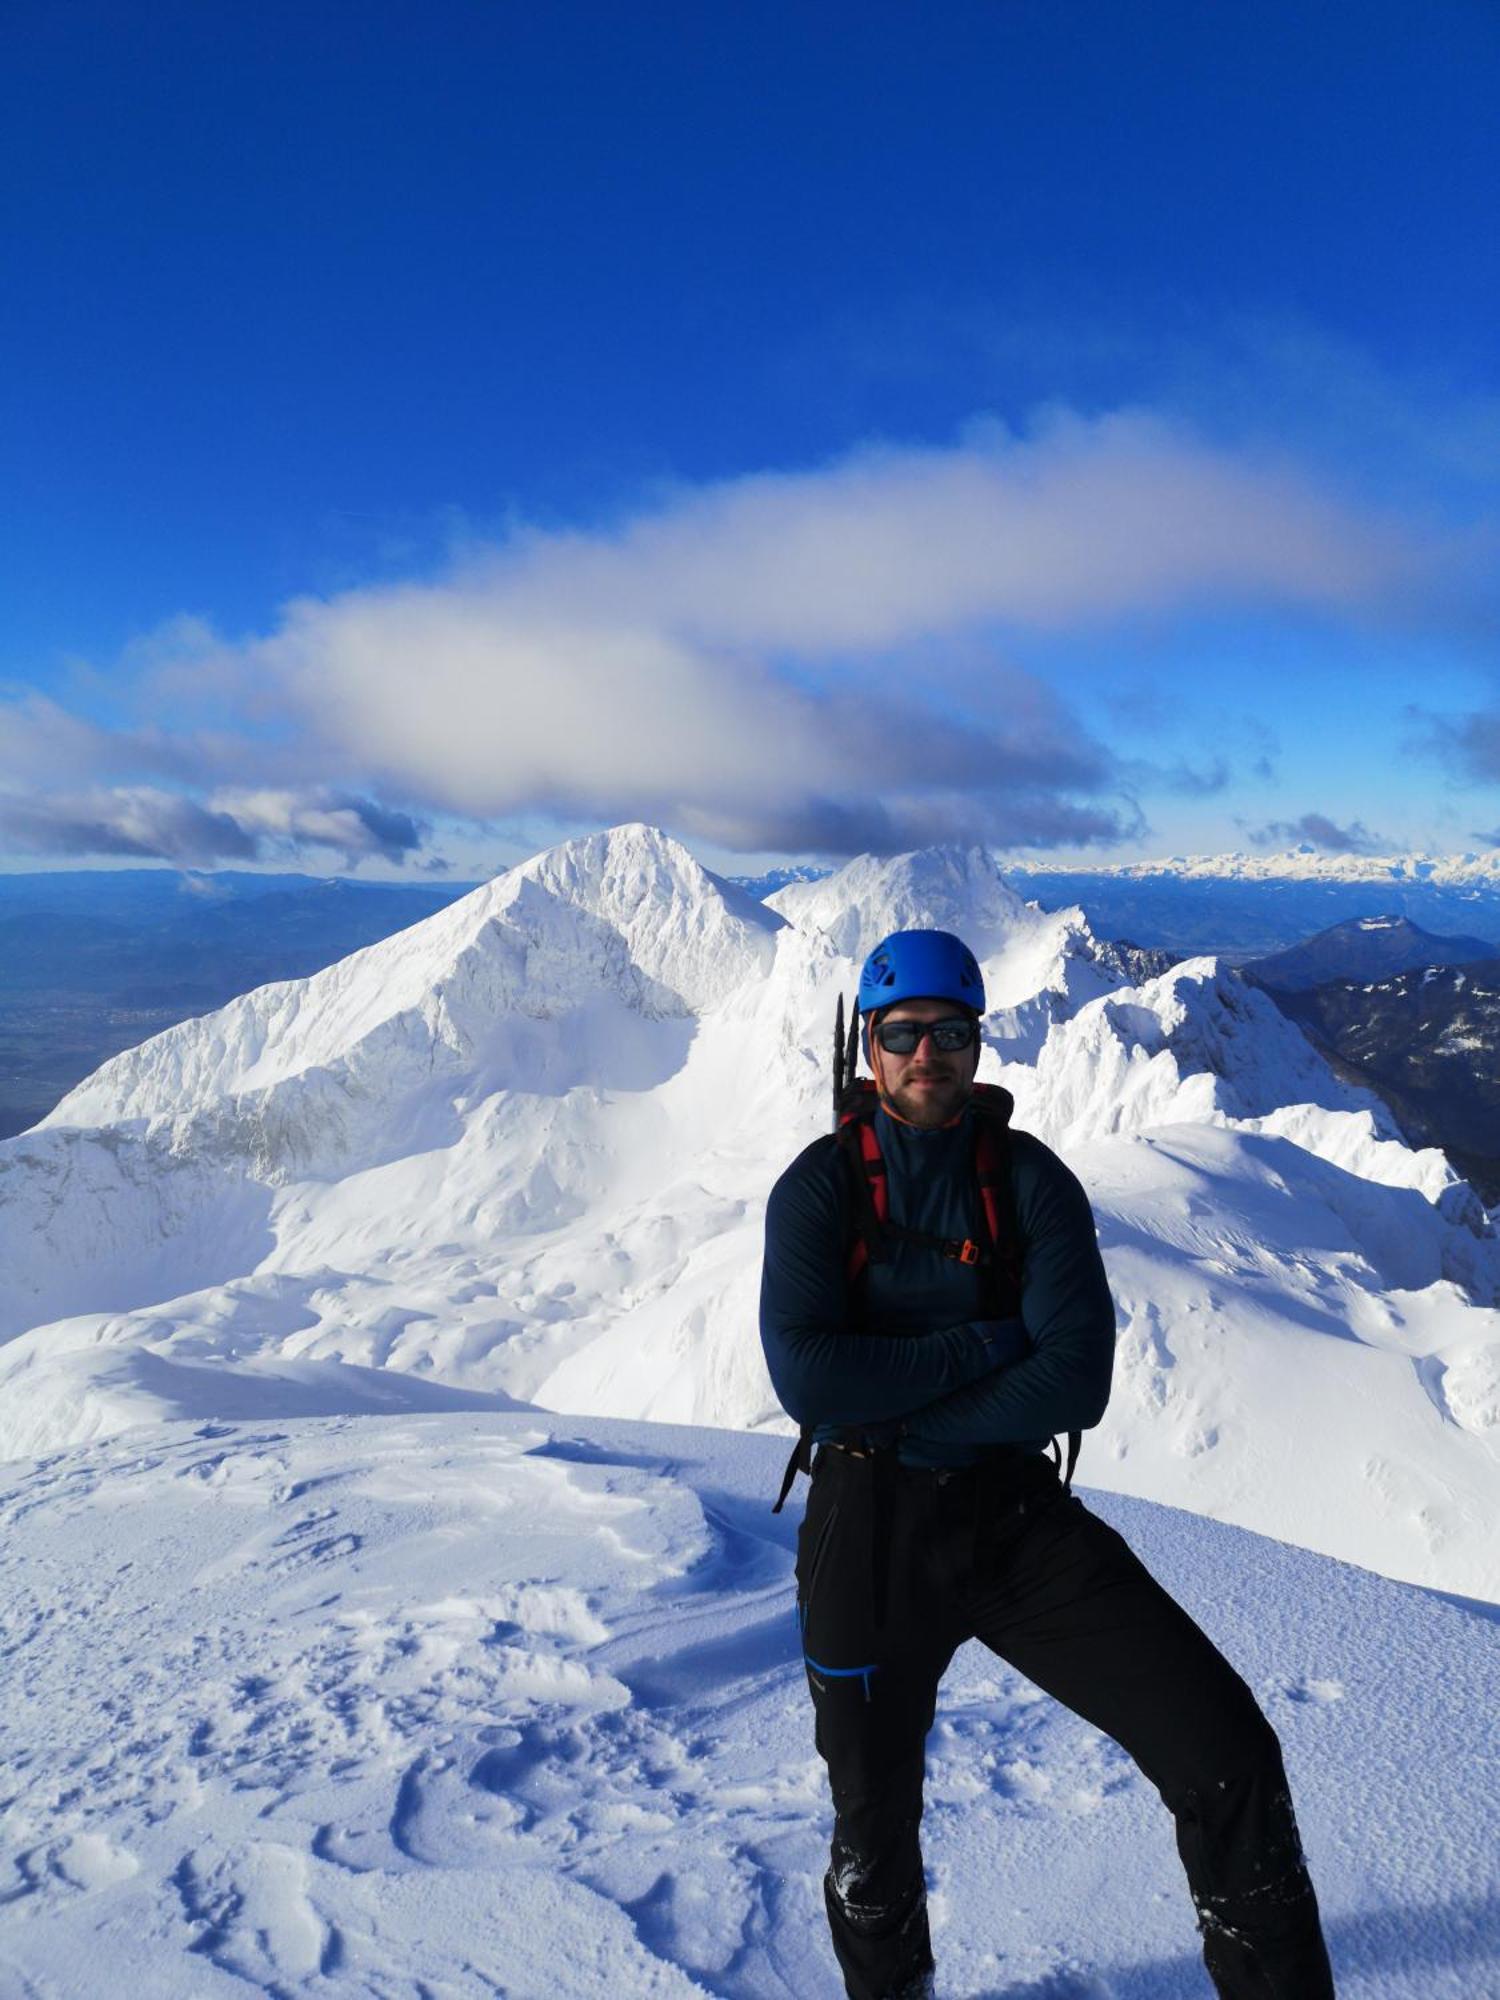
point(800, 1461)
point(1075, 1445)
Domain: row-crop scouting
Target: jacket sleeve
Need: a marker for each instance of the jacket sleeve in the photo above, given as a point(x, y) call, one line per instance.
point(1062, 1384)
point(823, 1374)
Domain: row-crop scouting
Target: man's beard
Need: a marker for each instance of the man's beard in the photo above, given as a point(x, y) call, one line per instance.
point(938, 1105)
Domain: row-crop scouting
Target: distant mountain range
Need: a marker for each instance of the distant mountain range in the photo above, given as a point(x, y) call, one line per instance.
point(1305, 864)
point(1245, 906)
point(1412, 1016)
point(1365, 948)
point(93, 962)
point(761, 886)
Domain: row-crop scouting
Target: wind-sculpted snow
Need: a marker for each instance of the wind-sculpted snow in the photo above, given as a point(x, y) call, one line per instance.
point(1200, 1046)
point(92, 1218)
point(468, 1705)
point(1289, 1332)
point(521, 1151)
point(1195, 1045)
point(108, 1386)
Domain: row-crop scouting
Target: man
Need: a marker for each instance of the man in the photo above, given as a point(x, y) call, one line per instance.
point(932, 1358)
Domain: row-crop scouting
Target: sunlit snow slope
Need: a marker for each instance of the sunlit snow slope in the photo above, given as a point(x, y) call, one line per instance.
point(522, 1150)
point(464, 1705)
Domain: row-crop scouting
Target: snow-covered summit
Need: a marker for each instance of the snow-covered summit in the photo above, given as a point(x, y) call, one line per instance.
point(523, 1148)
point(949, 888)
point(1039, 966)
point(693, 932)
point(1199, 1045)
point(628, 918)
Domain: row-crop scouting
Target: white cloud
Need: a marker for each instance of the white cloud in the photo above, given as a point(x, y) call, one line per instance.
point(145, 821)
point(774, 654)
point(820, 660)
point(357, 828)
point(43, 743)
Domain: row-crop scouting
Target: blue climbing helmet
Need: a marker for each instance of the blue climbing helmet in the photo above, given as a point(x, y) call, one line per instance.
point(920, 965)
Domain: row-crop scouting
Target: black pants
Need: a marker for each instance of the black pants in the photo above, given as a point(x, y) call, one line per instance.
point(1009, 1558)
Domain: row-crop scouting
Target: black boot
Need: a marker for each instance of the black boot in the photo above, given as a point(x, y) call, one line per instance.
point(884, 1948)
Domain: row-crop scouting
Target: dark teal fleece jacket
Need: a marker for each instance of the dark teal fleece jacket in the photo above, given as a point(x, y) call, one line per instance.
point(908, 1358)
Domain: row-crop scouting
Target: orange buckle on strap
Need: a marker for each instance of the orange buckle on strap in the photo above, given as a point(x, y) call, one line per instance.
point(968, 1252)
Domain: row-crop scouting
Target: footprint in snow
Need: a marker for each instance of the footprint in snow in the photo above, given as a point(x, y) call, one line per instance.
point(88, 1861)
point(1064, 1982)
point(1317, 1692)
point(301, 1545)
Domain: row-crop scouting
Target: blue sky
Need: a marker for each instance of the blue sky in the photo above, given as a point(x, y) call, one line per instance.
point(428, 430)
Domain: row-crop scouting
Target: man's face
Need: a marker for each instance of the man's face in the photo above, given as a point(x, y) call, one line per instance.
point(928, 1087)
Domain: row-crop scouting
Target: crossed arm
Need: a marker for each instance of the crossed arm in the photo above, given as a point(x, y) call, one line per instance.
point(979, 1382)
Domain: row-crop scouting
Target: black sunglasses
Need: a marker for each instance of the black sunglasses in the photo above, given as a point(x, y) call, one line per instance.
point(901, 1038)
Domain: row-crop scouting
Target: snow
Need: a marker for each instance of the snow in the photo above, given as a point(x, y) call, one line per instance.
point(624, 922)
point(470, 1703)
point(1476, 871)
point(338, 1660)
point(1039, 966)
point(520, 1153)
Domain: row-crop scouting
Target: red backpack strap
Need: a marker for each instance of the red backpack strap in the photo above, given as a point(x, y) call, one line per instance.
point(992, 1167)
point(994, 1183)
point(868, 1182)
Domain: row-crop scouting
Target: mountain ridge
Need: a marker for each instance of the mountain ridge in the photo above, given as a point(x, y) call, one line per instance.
point(1362, 948)
point(524, 1148)
point(1291, 864)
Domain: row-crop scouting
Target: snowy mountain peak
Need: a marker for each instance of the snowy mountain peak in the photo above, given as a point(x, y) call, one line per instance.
point(1039, 966)
point(1202, 1046)
point(1197, 1044)
point(691, 931)
point(946, 888)
point(625, 918)
point(522, 1149)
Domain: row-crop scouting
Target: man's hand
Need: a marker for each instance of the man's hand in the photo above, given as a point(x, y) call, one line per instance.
point(1004, 1341)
